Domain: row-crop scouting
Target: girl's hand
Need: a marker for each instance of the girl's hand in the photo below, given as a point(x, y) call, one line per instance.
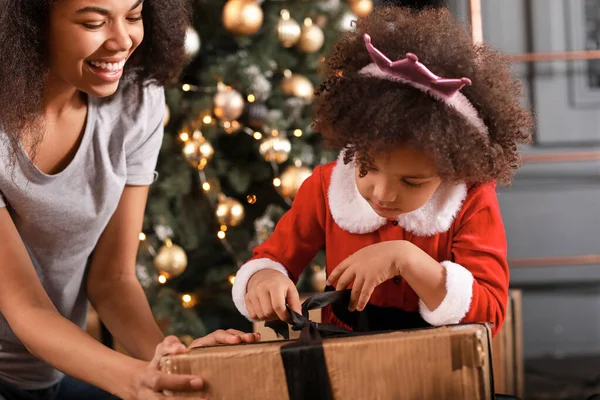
point(368, 268)
point(267, 295)
point(230, 336)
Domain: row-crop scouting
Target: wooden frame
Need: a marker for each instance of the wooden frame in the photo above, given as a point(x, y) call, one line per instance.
point(477, 33)
point(580, 96)
point(588, 259)
point(580, 156)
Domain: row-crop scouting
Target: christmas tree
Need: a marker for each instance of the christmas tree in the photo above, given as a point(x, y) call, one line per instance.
point(238, 144)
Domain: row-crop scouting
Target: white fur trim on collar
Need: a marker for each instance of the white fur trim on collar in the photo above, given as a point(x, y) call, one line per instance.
point(354, 214)
point(348, 208)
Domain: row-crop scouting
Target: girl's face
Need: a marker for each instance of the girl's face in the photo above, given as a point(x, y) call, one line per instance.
point(400, 181)
point(90, 42)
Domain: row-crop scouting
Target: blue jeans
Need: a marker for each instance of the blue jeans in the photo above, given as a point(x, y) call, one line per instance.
point(67, 389)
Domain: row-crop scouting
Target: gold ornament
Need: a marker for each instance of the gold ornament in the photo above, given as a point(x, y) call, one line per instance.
point(230, 212)
point(171, 260)
point(186, 339)
point(288, 30)
point(167, 115)
point(311, 38)
point(228, 103)
point(231, 127)
point(242, 17)
point(291, 180)
point(299, 86)
point(275, 148)
point(198, 151)
point(318, 279)
point(361, 8)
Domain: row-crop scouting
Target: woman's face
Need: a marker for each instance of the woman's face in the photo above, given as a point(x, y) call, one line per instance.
point(90, 42)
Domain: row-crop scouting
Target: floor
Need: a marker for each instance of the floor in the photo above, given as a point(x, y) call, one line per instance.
point(573, 378)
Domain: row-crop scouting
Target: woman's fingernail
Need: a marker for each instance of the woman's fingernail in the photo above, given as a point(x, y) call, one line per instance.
point(197, 382)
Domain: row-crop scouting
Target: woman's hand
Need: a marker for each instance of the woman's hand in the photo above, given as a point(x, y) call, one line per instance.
point(150, 383)
point(230, 336)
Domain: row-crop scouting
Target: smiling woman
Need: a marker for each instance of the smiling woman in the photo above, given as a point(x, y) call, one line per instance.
point(81, 125)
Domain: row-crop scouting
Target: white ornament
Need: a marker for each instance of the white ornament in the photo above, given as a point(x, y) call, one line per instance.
point(163, 231)
point(192, 42)
point(347, 21)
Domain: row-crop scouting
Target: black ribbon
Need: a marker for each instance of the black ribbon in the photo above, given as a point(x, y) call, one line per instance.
point(304, 360)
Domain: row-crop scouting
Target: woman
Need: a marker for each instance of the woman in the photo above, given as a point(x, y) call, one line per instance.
point(81, 111)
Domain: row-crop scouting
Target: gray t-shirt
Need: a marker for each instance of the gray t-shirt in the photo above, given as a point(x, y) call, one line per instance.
point(61, 217)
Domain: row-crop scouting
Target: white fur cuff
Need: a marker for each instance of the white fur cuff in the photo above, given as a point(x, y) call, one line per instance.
point(456, 304)
point(243, 276)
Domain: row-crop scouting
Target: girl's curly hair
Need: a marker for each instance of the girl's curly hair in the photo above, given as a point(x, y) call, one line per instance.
point(366, 115)
point(23, 33)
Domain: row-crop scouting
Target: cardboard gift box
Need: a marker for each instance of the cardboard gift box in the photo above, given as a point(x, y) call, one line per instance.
point(507, 346)
point(451, 363)
point(507, 350)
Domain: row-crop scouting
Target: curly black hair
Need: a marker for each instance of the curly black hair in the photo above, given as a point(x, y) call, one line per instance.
point(367, 115)
point(23, 33)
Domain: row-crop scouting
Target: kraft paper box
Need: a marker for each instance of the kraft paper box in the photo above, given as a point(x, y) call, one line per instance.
point(507, 350)
point(507, 346)
point(446, 363)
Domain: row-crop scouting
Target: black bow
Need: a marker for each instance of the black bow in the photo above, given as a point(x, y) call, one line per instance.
point(309, 330)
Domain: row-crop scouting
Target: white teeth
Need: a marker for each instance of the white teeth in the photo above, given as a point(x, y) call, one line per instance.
point(112, 67)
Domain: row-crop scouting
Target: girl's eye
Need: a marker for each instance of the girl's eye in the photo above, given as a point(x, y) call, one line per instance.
point(411, 184)
point(134, 19)
point(94, 26)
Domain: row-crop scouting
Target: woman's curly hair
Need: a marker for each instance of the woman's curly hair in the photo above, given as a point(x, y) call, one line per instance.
point(367, 115)
point(23, 33)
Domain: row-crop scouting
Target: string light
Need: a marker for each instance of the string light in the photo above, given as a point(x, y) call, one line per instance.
point(274, 133)
point(251, 198)
point(188, 300)
point(257, 135)
point(186, 87)
point(184, 136)
point(142, 236)
point(207, 119)
point(298, 132)
point(162, 279)
point(206, 186)
point(276, 182)
point(232, 279)
point(223, 228)
point(221, 235)
point(237, 210)
point(251, 98)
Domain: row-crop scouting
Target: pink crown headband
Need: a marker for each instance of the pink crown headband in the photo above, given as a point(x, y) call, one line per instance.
point(410, 71)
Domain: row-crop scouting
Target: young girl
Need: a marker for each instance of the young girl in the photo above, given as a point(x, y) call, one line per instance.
point(81, 116)
point(408, 214)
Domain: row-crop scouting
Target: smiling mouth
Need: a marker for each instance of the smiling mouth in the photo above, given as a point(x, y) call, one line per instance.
point(105, 67)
